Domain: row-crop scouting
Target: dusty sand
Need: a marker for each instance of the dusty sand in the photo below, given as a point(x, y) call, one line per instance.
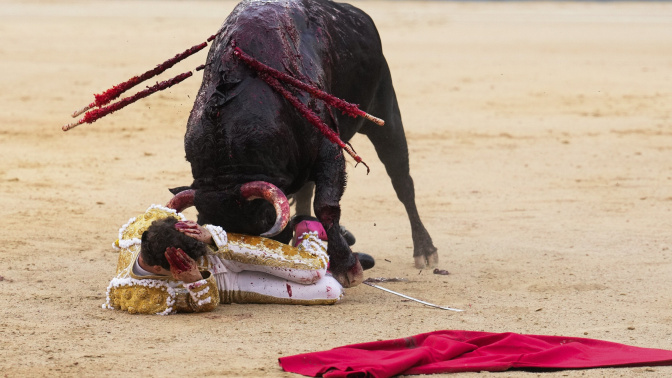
point(541, 145)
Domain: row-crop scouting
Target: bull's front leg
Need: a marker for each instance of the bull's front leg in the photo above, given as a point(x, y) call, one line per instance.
point(329, 186)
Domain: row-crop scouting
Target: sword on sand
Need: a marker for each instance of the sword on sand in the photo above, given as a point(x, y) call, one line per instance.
point(411, 298)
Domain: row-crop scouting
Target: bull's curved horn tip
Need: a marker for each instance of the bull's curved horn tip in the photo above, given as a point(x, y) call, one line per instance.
point(272, 194)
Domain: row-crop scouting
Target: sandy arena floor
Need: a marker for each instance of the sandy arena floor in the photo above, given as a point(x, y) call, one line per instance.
point(541, 148)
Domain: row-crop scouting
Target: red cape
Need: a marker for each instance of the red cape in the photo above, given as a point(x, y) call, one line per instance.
point(463, 351)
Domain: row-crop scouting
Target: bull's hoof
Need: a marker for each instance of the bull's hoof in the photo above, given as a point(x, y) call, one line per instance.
point(431, 261)
point(351, 277)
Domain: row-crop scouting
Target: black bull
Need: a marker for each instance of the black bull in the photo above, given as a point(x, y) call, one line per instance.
point(241, 130)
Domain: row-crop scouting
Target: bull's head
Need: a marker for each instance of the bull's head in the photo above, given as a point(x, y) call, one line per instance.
point(239, 212)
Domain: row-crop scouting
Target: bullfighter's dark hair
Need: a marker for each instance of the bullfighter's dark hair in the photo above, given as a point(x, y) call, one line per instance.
point(161, 235)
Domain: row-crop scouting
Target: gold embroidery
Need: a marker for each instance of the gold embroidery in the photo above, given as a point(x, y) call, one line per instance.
point(271, 253)
point(143, 300)
point(143, 221)
point(126, 258)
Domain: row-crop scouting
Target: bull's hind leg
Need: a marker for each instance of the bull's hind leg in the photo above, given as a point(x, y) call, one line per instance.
point(392, 149)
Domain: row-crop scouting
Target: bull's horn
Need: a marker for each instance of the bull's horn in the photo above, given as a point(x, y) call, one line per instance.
point(273, 194)
point(182, 200)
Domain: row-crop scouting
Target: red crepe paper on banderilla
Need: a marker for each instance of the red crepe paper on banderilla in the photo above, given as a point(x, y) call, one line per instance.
point(470, 351)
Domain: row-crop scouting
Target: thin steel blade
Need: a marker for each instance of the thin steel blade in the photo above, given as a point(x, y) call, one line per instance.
point(411, 298)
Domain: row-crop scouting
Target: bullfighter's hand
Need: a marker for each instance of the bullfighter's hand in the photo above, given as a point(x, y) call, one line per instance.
point(183, 267)
point(194, 230)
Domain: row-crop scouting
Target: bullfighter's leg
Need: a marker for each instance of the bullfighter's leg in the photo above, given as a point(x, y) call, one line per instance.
point(392, 149)
point(303, 200)
point(329, 186)
point(258, 287)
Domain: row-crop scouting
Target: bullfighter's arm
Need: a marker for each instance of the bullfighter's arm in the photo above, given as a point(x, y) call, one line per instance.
point(203, 294)
point(162, 297)
point(261, 270)
point(306, 263)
